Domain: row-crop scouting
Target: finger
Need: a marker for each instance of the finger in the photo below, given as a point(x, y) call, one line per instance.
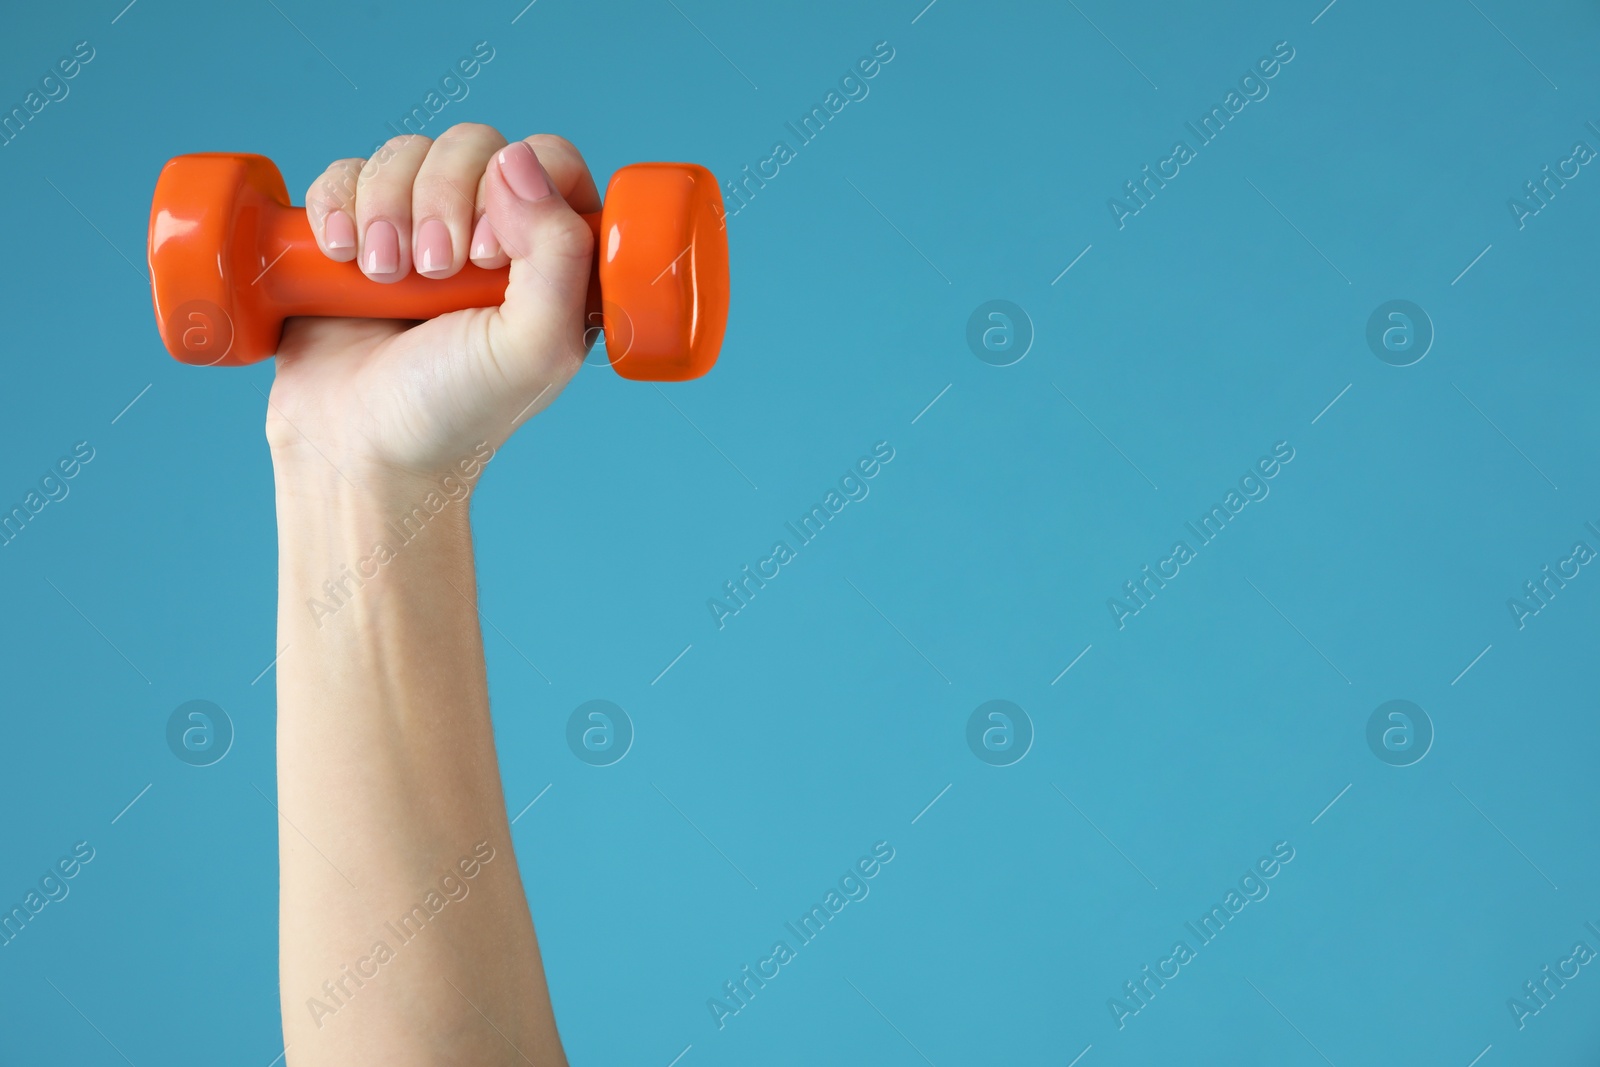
point(484, 248)
point(568, 173)
point(575, 182)
point(550, 248)
point(442, 199)
point(383, 207)
point(330, 208)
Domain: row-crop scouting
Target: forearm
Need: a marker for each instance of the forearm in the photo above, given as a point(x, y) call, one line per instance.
point(388, 789)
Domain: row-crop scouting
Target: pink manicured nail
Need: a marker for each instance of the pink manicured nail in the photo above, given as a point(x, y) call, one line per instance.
point(485, 245)
point(433, 247)
point(338, 231)
point(383, 248)
point(523, 172)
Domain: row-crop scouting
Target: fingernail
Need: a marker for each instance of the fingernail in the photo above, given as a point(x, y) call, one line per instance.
point(485, 245)
point(338, 231)
point(433, 247)
point(383, 248)
point(523, 172)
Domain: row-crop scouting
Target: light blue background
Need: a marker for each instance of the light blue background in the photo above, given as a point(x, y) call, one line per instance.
point(1195, 338)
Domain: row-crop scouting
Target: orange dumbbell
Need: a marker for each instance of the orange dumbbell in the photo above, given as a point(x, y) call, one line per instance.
point(230, 259)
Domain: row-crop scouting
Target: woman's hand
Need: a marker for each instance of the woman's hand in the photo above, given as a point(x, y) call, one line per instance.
point(385, 744)
point(375, 396)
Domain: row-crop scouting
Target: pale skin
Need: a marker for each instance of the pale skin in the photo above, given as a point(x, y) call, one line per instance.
point(387, 777)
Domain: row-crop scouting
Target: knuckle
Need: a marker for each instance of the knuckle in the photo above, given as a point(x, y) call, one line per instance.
point(565, 233)
point(393, 148)
point(336, 187)
point(401, 141)
point(471, 133)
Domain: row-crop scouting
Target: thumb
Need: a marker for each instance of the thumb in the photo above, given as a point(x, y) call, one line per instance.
point(539, 330)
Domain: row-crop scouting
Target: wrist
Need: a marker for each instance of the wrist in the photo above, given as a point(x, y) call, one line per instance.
point(361, 487)
point(361, 543)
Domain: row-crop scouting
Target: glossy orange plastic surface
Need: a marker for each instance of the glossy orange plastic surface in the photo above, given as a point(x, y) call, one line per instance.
point(230, 259)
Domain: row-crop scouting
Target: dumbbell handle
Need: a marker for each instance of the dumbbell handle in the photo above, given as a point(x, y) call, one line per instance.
point(300, 279)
